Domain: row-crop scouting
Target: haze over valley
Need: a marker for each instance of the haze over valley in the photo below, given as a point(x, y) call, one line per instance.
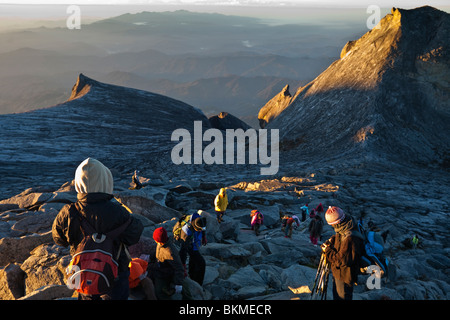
point(217, 62)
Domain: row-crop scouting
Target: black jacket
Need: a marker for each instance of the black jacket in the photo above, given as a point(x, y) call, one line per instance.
point(103, 215)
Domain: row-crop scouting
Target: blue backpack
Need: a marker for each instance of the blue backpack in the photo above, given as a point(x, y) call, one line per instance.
point(373, 251)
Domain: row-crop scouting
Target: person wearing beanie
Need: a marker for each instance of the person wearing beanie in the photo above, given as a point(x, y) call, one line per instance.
point(334, 215)
point(343, 251)
point(139, 279)
point(168, 273)
point(193, 235)
point(160, 235)
point(96, 204)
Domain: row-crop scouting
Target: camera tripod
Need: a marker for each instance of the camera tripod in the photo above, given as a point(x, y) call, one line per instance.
point(319, 290)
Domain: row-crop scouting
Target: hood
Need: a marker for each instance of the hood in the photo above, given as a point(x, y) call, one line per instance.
point(92, 176)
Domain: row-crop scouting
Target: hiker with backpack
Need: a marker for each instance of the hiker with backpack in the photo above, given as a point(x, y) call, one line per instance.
point(221, 204)
point(315, 229)
point(305, 211)
point(168, 272)
point(193, 236)
point(257, 219)
point(290, 226)
point(343, 251)
point(97, 229)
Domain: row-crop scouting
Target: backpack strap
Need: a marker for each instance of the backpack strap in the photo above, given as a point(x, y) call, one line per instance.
point(125, 249)
point(88, 230)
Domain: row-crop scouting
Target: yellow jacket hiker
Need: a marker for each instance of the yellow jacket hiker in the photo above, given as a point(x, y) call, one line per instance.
point(221, 203)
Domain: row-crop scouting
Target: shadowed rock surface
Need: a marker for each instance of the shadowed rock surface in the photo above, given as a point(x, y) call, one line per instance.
point(387, 97)
point(125, 128)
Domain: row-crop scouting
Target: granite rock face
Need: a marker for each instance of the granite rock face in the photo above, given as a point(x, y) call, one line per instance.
point(387, 97)
point(124, 128)
point(274, 107)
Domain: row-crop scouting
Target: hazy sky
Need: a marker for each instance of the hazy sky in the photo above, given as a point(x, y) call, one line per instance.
point(273, 11)
point(327, 3)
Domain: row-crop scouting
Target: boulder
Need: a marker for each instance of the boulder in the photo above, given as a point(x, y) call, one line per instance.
point(50, 292)
point(244, 277)
point(12, 282)
point(156, 194)
point(193, 291)
point(28, 199)
point(271, 275)
point(296, 276)
point(18, 249)
point(45, 266)
point(234, 254)
point(39, 222)
point(148, 208)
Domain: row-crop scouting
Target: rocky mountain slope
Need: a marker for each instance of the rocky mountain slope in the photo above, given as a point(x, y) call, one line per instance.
point(239, 264)
point(336, 137)
point(387, 96)
point(126, 128)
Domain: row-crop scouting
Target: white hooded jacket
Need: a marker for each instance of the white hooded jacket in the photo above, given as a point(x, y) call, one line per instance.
point(92, 176)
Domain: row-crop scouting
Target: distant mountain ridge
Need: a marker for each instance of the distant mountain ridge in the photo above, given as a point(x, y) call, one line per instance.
point(180, 49)
point(388, 96)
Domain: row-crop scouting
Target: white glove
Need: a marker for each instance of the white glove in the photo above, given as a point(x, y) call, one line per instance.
point(178, 289)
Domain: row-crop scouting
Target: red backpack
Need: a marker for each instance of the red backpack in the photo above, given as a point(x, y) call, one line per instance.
point(93, 268)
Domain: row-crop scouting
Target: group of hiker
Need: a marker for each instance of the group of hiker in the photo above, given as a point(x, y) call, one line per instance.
point(99, 230)
point(315, 227)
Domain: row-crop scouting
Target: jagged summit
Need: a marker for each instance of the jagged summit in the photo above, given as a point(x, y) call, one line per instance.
point(388, 94)
point(274, 107)
point(81, 87)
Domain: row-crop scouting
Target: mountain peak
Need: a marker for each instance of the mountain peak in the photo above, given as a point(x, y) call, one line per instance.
point(274, 107)
point(81, 87)
point(392, 83)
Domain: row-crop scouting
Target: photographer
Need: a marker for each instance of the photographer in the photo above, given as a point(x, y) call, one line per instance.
point(343, 251)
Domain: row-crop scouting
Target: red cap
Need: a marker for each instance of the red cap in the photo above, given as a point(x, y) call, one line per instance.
point(160, 235)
